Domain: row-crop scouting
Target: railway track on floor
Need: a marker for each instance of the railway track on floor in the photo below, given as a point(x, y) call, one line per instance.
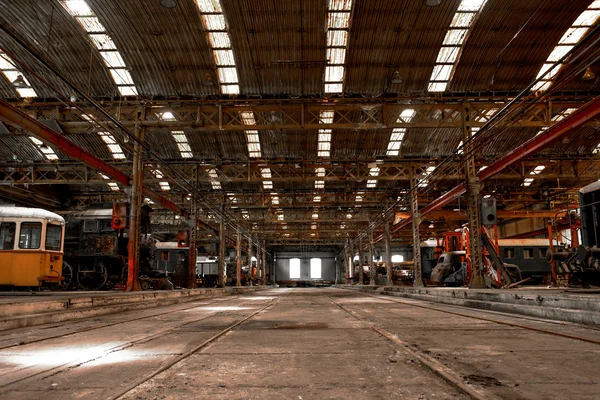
point(122, 346)
point(428, 362)
point(102, 325)
point(187, 354)
point(511, 324)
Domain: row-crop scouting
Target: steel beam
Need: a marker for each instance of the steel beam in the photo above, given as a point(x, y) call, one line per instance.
point(388, 254)
point(556, 132)
point(238, 267)
point(416, 240)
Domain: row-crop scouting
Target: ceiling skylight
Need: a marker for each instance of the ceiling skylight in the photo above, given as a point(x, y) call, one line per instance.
point(424, 182)
point(185, 150)
point(252, 138)
point(12, 74)
point(114, 147)
point(164, 185)
point(449, 54)
point(214, 179)
point(397, 135)
point(536, 171)
point(44, 149)
point(572, 36)
point(100, 38)
point(220, 43)
point(339, 13)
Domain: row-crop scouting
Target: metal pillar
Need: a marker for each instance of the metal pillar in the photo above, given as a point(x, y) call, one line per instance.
point(249, 283)
point(221, 279)
point(416, 221)
point(388, 255)
point(351, 264)
point(191, 278)
point(372, 267)
point(347, 261)
point(135, 213)
point(264, 261)
point(259, 275)
point(238, 268)
point(360, 263)
point(473, 188)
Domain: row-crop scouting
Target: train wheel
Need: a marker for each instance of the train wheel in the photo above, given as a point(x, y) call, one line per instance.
point(144, 283)
point(92, 279)
point(67, 274)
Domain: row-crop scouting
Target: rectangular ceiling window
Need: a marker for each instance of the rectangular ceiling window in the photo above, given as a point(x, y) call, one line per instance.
point(252, 138)
point(571, 37)
point(102, 41)
point(113, 146)
point(449, 54)
point(339, 14)
point(14, 76)
point(43, 148)
point(219, 40)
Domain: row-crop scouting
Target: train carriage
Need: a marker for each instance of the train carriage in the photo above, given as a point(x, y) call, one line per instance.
point(31, 246)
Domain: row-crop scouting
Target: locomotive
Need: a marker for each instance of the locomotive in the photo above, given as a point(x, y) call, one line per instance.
point(581, 265)
point(96, 254)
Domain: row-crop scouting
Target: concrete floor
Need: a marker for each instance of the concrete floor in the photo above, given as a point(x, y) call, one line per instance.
point(301, 344)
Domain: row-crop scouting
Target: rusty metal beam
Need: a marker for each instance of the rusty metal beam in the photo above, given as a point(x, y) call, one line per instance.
point(529, 148)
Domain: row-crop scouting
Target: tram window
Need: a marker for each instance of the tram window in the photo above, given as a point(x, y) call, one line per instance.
point(7, 235)
point(164, 256)
point(53, 237)
point(440, 260)
point(31, 234)
point(528, 253)
point(543, 253)
point(509, 253)
point(90, 225)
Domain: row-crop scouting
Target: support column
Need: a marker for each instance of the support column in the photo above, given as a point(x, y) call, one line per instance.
point(238, 268)
point(347, 262)
point(221, 279)
point(259, 274)
point(250, 261)
point(193, 223)
point(135, 213)
point(351, 274)
point(416, 221)
point(372, 267)
point(264, 261)
point(360, 263)
point(388, 255)
point(477, 280)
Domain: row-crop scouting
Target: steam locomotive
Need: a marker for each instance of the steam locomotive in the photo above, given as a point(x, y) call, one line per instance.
point(96, 253)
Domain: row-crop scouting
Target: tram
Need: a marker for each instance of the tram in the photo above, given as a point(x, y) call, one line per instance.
point(31, 247)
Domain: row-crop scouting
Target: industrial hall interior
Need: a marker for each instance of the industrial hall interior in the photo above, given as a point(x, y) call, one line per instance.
point(299, 199)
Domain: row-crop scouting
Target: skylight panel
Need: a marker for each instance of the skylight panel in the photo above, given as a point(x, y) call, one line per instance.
point(44, 149)
point(315, 216)
point(224, 58)
point(91, 24)
point(78, 8)
point(319, 184)
point(571, 37)
point(333, 74)
point(227, 75)
point(336, 55)
point(219, 40)
point(471, 5)
point(102, 41)
point(448, 57)
point(337, 38)
point(339, 20)
point(10, 71)
point(113, 58)
point(462, 20)
point(209, 6)
point(215, 26)
point(164, 186)
point(324, 146)
point(338, 24)
point(320, 172)
point(326, 117)
point(317, 199)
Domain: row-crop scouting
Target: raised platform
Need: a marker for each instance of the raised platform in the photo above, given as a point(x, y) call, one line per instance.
point(20, 309)
point(579, 306)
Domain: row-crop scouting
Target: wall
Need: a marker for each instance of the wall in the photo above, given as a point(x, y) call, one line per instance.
point(283, 261)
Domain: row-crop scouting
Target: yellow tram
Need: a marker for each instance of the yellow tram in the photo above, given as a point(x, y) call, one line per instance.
point(31, 246)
